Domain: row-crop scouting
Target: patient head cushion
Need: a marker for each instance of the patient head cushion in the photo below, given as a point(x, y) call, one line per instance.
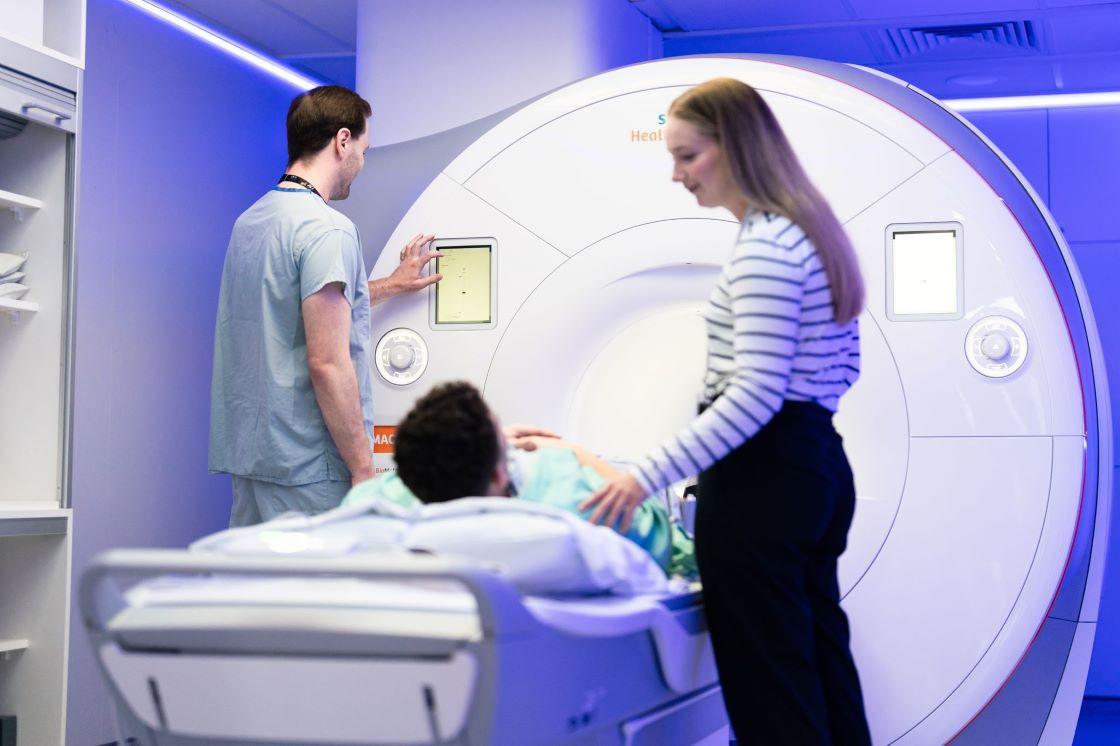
point(541, 550)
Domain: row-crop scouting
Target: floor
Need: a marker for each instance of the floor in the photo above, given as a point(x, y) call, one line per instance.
point(1099, 723)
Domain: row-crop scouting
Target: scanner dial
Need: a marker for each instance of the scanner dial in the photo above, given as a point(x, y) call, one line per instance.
point(401, 356)
point(996, 346)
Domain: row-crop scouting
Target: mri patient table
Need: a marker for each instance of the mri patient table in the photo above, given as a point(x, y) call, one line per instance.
point(389, 649)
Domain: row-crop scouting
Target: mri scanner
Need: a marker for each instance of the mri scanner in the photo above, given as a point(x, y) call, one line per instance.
point(575, 276)
point(979, 428)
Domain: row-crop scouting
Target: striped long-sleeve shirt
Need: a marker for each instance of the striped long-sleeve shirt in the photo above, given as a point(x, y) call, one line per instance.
point(772, 336)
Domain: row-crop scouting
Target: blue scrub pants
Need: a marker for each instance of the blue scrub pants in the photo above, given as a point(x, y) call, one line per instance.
point(255, 501)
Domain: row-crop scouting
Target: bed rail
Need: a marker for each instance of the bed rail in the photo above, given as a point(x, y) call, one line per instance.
point(501, 613)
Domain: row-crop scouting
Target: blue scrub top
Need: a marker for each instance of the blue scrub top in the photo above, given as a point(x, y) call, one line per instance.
point(265, 422)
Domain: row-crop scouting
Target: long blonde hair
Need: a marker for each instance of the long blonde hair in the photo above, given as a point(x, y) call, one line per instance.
point(766, 170)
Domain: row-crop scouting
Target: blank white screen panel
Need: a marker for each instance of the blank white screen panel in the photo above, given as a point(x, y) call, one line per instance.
point(925, 273)
point(463, 296)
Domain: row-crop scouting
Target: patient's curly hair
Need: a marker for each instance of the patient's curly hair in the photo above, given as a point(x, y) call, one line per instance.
point(447, 445)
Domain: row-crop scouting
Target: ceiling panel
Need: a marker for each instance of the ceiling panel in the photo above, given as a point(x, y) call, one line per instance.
point(339, 18)
point(267, 25)
point(320, 36)
point(884, 9)
point(842, 45)
point(1085, 32)
point(705, 15)
point(1068, 3)
point(1089, 74)
point(967, 79)
point(1056, 45)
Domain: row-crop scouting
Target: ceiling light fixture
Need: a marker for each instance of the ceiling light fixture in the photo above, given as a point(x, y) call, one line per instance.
point(973, 80)
point(1043, 101)
point(254, 58)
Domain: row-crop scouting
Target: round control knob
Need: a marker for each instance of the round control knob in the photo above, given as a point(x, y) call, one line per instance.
point(401, 356)
point(996, 346)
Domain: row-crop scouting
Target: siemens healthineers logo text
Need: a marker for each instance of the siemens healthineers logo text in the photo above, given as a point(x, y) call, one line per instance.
point(653, 135)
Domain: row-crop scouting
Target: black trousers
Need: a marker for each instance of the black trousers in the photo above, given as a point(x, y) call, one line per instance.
point(772, 518)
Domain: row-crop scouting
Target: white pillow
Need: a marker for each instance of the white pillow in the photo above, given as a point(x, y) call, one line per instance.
point(335, 533)
point(11, 262)
point(13, 290)
point(541, 549)
point(534, 552)
point(13, 277)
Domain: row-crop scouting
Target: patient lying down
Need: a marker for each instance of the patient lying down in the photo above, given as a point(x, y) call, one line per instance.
point(450, 445)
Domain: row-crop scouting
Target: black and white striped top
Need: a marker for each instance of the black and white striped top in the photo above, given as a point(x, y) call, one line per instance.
point(772, 336)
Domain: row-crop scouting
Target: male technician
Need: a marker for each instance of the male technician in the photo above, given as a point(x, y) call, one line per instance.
point(290, 405)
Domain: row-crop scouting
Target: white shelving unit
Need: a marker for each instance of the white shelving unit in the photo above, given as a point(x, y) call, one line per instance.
point(14, 308)
point(54, 28)
point(7, 647)
point(41, 53)
point(17, 203)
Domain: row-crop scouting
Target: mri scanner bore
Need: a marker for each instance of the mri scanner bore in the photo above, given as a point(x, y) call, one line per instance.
point(976, 433)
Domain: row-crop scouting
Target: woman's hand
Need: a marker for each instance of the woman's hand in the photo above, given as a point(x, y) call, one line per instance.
point(615, 500)
point(525, 437)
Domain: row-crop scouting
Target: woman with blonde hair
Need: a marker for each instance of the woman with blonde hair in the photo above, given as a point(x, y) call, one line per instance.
point(776, 494)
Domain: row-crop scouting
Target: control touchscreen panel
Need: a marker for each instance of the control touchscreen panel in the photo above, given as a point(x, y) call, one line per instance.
point(465, 294)
point(925, 272)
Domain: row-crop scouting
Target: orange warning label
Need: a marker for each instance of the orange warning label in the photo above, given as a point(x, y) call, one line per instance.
point(383, 438)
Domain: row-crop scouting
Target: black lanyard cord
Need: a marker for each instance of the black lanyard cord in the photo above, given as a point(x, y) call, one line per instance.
point(303, 183)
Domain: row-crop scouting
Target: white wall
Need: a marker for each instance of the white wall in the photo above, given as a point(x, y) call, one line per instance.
point(177, 140)
point(430, 65)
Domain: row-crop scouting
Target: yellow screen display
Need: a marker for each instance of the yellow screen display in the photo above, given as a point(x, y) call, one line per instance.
point(463, 295)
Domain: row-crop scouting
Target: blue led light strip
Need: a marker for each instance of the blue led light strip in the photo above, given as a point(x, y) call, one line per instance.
point(254, 58)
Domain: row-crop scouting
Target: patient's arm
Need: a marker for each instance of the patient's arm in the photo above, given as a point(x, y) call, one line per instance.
point(523, 436)
point(586, 457)
point(563, 481)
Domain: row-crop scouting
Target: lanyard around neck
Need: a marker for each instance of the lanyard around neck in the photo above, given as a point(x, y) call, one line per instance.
point(303, 183)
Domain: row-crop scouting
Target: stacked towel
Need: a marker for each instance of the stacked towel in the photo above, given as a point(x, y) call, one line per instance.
point(11, 278)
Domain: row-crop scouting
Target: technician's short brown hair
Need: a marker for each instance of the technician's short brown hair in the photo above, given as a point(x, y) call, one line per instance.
point(316, 116)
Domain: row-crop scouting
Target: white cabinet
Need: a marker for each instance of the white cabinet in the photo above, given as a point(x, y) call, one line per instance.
point(53, 27)
point(40, 50)
point(34, 585)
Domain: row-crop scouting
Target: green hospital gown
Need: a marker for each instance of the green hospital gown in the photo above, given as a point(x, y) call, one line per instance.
point(554, 476)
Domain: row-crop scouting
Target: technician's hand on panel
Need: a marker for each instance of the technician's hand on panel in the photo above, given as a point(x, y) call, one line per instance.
point(409, 275)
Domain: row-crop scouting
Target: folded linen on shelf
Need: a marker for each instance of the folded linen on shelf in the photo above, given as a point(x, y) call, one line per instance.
point(11, 262)
point(13, 290)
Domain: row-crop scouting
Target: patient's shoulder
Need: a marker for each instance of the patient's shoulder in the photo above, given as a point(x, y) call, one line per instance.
point(388, 486)
point(552, 475)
